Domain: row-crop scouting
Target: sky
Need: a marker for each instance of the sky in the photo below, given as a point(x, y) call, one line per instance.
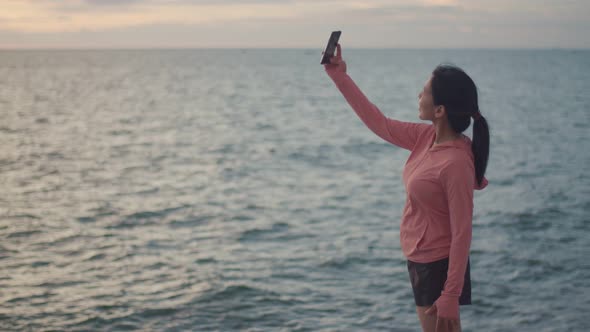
point(294, 23)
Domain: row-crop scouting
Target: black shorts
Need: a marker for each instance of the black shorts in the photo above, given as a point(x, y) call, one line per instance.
point(428, 281)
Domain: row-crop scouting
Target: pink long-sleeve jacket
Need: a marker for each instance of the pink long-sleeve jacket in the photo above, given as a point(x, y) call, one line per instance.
point(439, 181)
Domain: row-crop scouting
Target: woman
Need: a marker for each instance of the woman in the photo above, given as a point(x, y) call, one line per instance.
point(441, 173)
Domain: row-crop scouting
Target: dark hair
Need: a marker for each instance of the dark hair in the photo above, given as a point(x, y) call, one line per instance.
point(456, 91)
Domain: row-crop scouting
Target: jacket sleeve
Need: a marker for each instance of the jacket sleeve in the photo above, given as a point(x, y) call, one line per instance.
point(399, 133)
point(458, 186)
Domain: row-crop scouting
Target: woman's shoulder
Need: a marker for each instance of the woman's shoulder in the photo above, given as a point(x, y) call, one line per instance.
point(425, 133)
point(457, 157)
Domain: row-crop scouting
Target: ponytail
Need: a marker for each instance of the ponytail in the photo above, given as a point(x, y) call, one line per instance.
point(480, 146)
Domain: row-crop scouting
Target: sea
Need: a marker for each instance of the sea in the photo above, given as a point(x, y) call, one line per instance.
point(236, 190)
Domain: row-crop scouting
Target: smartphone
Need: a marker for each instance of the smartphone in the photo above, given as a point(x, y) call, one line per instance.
point(331, 47)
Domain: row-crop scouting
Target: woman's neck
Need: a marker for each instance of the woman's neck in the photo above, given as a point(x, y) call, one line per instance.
point(444, 133)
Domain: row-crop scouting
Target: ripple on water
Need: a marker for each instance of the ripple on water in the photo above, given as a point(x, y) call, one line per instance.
point(344, 262)
point(263, 233)
point(145, 218)
point(242, 296)
point(192, 221)
point(20, 234)
point(539, 220)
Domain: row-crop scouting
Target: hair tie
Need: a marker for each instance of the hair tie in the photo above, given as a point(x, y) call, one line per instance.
point(476, 116)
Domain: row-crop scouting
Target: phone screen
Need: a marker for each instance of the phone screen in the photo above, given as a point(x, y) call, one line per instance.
point(331, 47)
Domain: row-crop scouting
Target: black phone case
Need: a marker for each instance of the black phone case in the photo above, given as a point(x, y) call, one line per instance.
point(331, 47)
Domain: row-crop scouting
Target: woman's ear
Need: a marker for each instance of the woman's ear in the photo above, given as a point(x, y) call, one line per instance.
point(440, 111)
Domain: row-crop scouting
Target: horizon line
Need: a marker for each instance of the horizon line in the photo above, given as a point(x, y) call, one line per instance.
point(171, 48)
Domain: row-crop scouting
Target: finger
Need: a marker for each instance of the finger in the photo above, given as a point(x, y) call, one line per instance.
point(446, 325)
point(431, 311)
point(338, 51)
point(442, 325)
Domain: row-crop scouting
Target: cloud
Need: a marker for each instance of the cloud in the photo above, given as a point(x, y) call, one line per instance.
point(109, 2)
point(267, 22)
point(75, 15)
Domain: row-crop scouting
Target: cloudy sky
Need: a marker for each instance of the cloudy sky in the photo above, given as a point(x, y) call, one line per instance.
point(294, 23)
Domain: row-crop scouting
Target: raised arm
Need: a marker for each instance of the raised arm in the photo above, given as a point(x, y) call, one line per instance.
point(402, 134)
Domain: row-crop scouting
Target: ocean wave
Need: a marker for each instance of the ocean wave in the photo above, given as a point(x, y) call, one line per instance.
point(259, 233)
point(145, 218)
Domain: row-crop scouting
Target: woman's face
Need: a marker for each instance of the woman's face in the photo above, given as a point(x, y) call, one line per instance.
point(425, 102)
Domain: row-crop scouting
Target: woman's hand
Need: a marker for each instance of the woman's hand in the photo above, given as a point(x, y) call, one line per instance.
point(336, 63)
point(443, 324)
